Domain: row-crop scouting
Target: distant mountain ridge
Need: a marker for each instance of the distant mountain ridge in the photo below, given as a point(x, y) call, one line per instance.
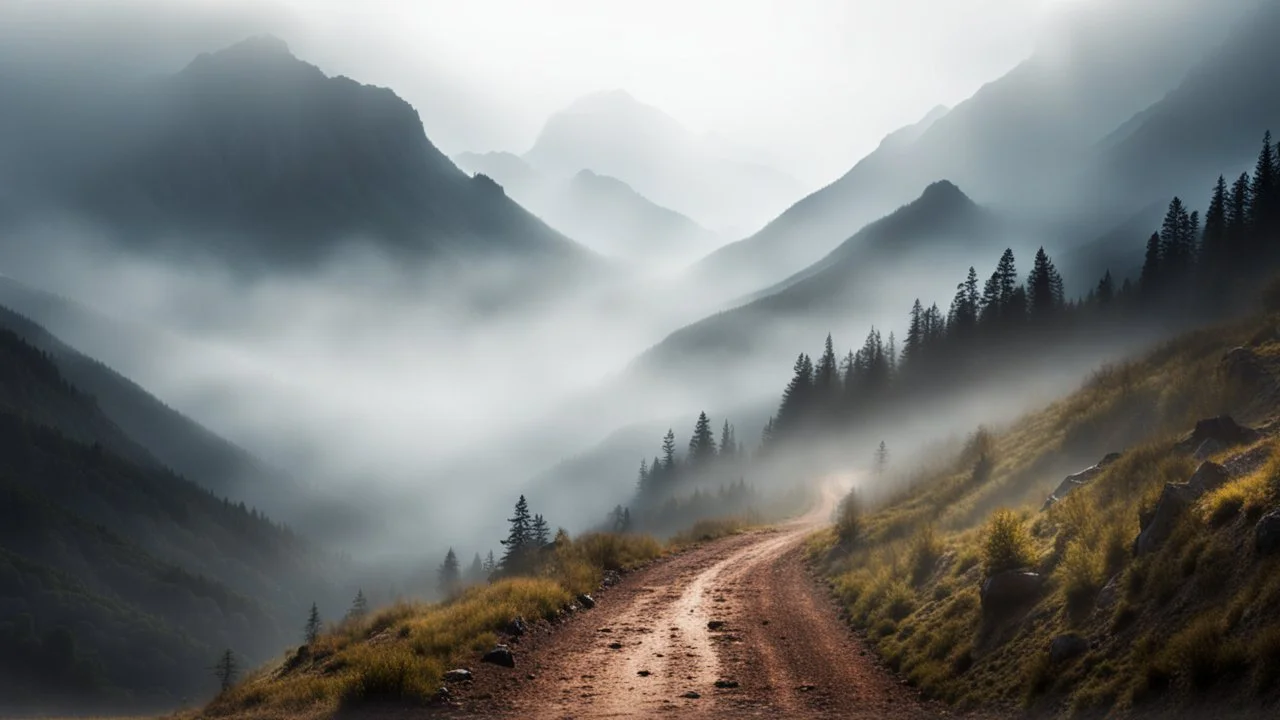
point(601, 212)
point(1048, 112)
point(888, 260)
point(611, 133)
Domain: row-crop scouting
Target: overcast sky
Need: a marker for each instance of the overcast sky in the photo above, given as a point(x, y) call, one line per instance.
point(813, 84)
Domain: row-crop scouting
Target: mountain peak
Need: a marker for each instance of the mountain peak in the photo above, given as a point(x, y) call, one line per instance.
point(251, 55)
point(944, 190)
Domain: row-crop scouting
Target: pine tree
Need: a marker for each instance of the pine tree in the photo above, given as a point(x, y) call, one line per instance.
point(490, 565)
point(541, 532)
point(1007, 283)
point(669, 451)
point(449, 575)
point(795, 398)
point(1150, 280)
point(893, 353)
point(726, 441)
point(963, 315)
point(1106, 290)
point(359, 606)
point(914, 341)
point(1214, 250)
point(312, 630)
point(226, 669)
point(1044, 286)
point(702, 444)
point(519, 539)
point(1263, 188)
point(882, 459)
point(935, 324)
point(476, 573)
point(825, 375)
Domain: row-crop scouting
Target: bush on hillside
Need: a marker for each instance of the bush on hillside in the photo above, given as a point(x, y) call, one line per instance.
point(1006, 544)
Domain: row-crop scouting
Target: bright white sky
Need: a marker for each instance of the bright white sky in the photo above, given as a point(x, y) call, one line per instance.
point(814, 84)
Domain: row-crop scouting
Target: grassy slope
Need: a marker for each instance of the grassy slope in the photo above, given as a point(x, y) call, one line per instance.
point(1192, 625)
point(401, 652)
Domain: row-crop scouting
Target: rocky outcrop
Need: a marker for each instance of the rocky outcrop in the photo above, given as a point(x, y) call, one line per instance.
point(1222, 429)
point(1010, 589)
point(457, 675)
point(1266, 534)
point(1208, 477)
point(1158, 525)
point(1078, 480)
point(586, 601)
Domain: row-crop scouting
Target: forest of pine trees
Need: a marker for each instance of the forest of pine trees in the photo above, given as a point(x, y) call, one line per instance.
point(1192, 272)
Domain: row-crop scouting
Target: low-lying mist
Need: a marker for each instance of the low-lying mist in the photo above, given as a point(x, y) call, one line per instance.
point(407, 394)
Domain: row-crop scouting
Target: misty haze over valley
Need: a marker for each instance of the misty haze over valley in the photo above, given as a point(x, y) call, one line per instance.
point(298, 299)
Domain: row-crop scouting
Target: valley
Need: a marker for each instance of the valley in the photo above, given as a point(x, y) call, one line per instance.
point(837, 360)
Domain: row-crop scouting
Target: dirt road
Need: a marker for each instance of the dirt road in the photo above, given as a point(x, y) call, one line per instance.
point(733, 628)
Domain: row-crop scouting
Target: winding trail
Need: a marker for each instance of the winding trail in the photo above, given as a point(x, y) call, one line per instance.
point(778, 647)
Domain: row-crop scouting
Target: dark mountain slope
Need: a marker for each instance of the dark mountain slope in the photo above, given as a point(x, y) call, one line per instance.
point(1210, 124)
point(259, 160)
point(155, 558)
point(129, 419)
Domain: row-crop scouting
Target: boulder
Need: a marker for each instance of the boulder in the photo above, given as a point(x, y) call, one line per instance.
point(1208, 477)
point(586, 601)
point(500, 655)
point(1067, 647)
point(1010, 589)
point(1175, 499)
point(1266, 534)
point(457, 675)
point(1072, 482)
point(1223, 429)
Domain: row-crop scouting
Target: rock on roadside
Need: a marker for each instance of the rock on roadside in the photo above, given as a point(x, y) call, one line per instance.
point(500, 655)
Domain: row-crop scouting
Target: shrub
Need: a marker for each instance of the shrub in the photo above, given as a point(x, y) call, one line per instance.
point(1202, 653)
point(1006, 544)
point(1081, 573)
point(849, 518)
point(926, 548)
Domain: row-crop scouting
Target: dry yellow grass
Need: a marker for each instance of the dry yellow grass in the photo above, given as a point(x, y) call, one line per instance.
point(1198, 616)
point(402, 651)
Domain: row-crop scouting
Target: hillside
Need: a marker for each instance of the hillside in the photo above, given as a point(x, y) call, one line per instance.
point(256, 159)
point(123, 580)
point(890, 260)
point(137, 424)
point(1049, 111)
point(601, 212)
point(612, 133)
point(983, 594)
